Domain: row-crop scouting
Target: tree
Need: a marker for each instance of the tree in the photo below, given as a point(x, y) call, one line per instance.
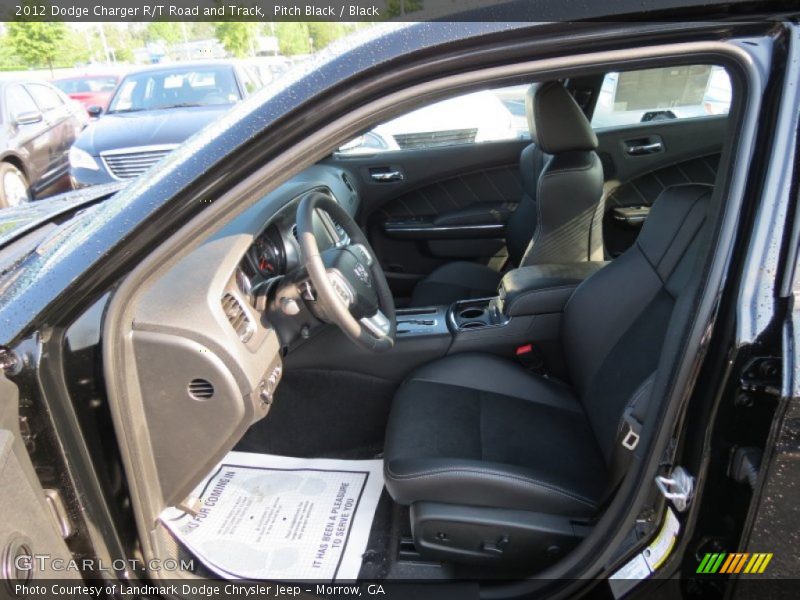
point(162, 31)
point(400, 8)
point(238, 37)
point(323, 33)
point(36, 43)
point(293, 38)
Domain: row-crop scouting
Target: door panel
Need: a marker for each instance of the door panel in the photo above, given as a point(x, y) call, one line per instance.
point(451, 204)
point(27, 523)
point(688, 152)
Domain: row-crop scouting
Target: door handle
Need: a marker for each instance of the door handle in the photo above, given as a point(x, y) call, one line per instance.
point(640, 149)
point(386, 176)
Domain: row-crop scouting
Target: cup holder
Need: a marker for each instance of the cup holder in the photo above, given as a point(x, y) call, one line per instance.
point(473, 325)
point(472, 313)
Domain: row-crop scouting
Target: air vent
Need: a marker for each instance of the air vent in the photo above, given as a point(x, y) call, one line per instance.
point(237, 317)
point(346, 180)
point(200, 389)
point(294, 233)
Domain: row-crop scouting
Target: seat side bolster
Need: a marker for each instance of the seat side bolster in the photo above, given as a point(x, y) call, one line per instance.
point(482, 483)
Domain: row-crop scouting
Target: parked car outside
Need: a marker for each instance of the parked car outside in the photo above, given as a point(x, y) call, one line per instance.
point(91, 90)
point(705, 90)
point(38, 125)
point(477, 117)
point(152, 111)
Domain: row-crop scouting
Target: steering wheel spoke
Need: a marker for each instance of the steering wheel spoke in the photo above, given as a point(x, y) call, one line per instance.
point(378, 324)
point(344, 291)
point(348, 280)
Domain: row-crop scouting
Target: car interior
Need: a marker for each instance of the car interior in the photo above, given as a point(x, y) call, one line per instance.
point(491, 319)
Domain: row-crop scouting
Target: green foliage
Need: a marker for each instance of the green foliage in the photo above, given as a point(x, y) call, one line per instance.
point(162, 31)
point(323, 33)
point(293, 38)
point(399, 8)
point(238, 37)
point(36, 43)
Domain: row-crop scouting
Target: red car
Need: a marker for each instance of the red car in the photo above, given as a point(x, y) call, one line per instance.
point(89, 90)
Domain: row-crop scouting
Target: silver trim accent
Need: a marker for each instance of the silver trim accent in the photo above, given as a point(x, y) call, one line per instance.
point(134, 150)
point(378, 324)
point(442, 228)
point(341, 286)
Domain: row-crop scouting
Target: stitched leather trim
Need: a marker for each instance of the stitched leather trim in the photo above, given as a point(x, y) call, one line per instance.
point(490, 474)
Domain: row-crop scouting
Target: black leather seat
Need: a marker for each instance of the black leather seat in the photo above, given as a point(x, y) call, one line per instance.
point(474, 434)
point(558, 219)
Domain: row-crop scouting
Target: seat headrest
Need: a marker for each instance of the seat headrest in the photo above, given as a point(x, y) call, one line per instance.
point(556, 122)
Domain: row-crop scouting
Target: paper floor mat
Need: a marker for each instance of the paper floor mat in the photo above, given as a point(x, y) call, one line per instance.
point(281, 518)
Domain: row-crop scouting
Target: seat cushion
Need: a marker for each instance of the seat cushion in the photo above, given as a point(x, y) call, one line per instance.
point(480, 430)
point(456, 281)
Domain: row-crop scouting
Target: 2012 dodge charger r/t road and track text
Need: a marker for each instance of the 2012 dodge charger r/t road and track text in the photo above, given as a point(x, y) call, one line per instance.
point(463, 309)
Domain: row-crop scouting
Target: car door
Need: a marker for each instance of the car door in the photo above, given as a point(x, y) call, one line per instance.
point(31, 134)
point(31, 546)
point(439, 183)
point(61, 128)
point(656, 128)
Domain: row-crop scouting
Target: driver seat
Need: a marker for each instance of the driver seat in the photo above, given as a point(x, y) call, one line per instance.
point(501, 464)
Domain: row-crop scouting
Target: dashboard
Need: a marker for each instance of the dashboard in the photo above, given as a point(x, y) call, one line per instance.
point(275, 251)
point(200, 349)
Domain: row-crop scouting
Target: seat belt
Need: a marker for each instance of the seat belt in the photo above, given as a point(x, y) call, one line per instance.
point(629, 432)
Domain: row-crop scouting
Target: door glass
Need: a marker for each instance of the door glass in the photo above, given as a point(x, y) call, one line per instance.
point(19, 101)
point(662, 94)
point(485, 116)
point(46, 98)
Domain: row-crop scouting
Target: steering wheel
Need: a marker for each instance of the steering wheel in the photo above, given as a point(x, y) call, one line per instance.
point(350, 285)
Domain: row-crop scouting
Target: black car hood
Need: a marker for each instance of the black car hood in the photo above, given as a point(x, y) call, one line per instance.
point(147, 128)
point(17, 221)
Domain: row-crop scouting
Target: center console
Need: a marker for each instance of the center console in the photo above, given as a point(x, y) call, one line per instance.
point(527, 309)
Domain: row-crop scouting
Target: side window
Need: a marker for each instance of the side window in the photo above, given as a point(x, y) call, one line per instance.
point(46, 98)
point(485, 116)
point(662, 94)
point(19, 101)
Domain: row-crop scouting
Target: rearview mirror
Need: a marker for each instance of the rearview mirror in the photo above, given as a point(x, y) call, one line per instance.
point(94, 110)
point(28, 117)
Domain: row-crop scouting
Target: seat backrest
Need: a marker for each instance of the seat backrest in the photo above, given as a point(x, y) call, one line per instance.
point(559, 218)
point(616, 322)
point(522, 223)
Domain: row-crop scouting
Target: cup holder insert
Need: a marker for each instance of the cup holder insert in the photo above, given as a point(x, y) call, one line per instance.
point(472, 313)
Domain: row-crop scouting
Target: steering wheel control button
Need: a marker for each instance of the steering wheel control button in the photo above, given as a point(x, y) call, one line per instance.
point(362, 253)
point(341, 287)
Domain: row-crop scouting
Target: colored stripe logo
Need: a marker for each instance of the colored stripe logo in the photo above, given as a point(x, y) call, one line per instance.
point(736, 562)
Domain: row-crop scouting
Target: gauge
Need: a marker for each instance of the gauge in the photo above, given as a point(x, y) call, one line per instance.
point(269, 254)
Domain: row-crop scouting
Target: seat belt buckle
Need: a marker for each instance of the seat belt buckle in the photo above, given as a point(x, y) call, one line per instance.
point(631, 438)
point(529, 358)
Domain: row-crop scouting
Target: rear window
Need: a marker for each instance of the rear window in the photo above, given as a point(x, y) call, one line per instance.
point(87, 85)
point(662, 94)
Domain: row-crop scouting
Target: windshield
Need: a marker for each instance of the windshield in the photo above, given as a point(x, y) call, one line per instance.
point(87, 84)
point(174, 88)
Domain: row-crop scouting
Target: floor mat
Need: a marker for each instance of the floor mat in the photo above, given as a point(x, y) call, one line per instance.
point(282, 518)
